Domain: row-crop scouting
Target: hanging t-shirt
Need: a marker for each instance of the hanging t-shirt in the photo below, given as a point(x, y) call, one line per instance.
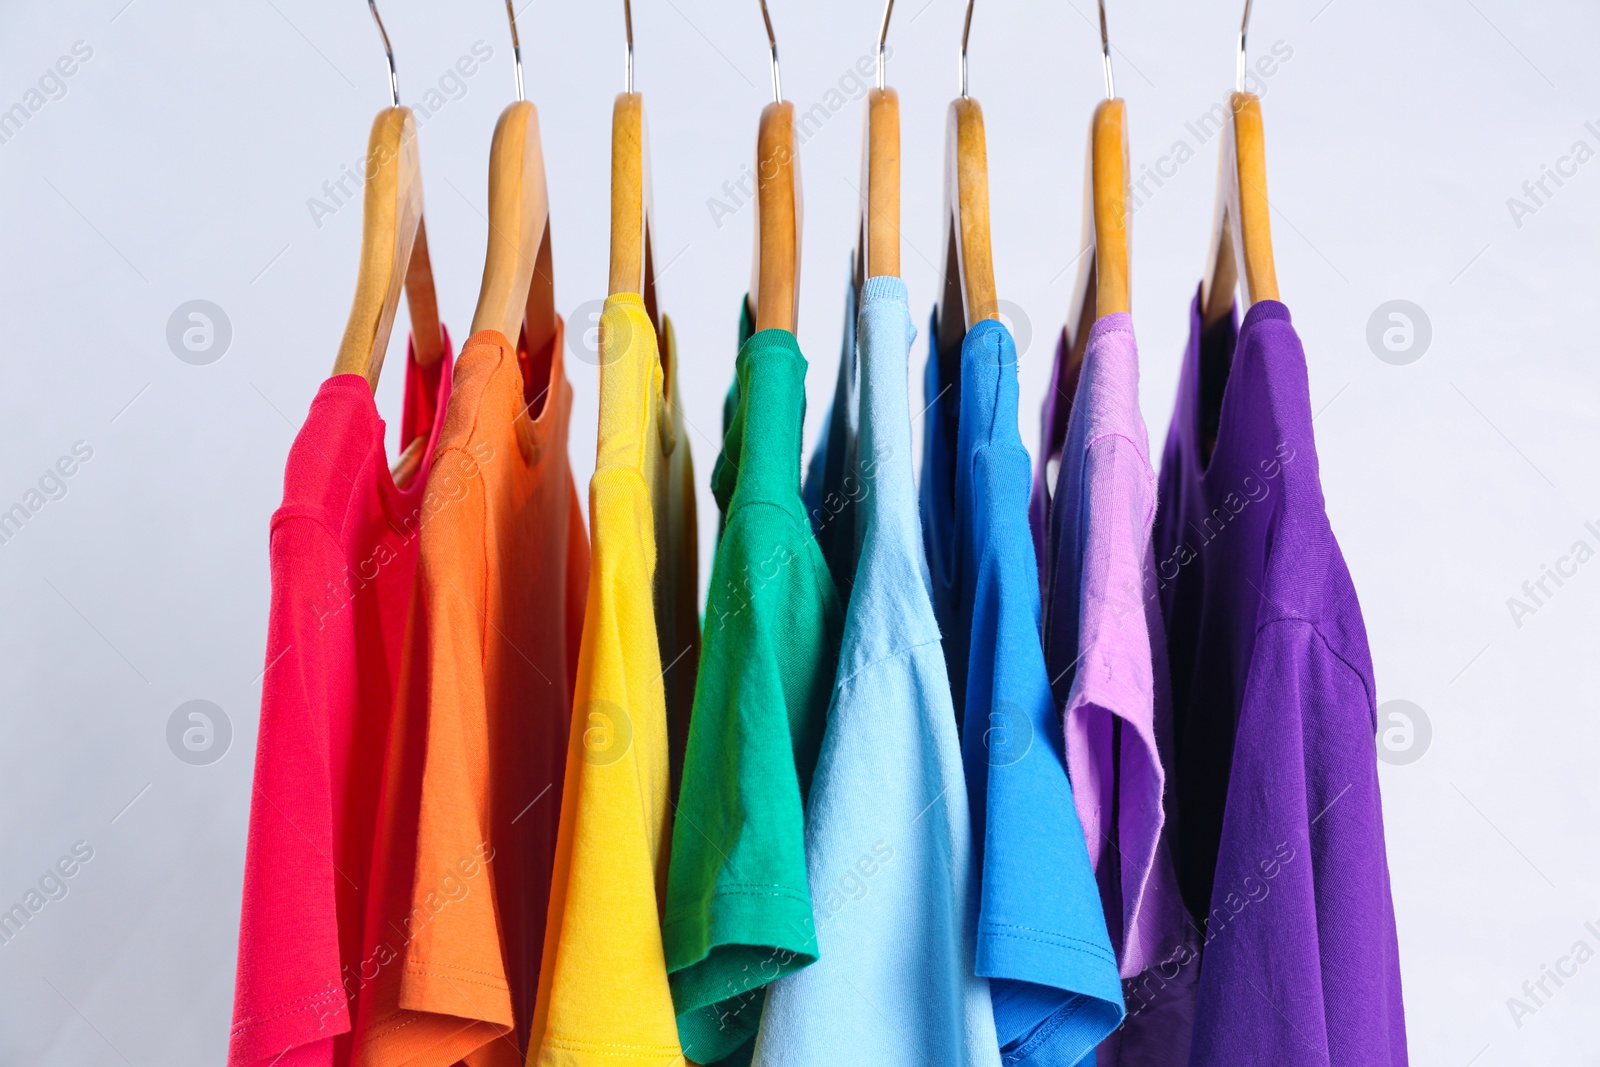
point(343, 555)
point(739, 910)
point(678, 550)
point(480, 740)
point(1105, 645)
point(1106, 652)
point(730, 408)
point(1042, 938)
point(1280, 839)
point(888, 831)
point(603, 992)
point(833, 481)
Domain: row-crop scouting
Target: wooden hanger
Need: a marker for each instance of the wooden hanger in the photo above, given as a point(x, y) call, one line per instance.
point(1103, 286)
point(775, 287)
point(878, 247)
point(632, 257)
point(394, 245)
point(632, 261)
point(1241, 230)
point(969, 290)
point(394, 252)
point(517, 290)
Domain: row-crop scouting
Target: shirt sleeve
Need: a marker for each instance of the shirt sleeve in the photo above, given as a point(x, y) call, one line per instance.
point(603, 993)
point(289, 1000)
point(1300, 964)
point(454, 964)
point(1042, 937)
point(432, 974)
point(738, 906)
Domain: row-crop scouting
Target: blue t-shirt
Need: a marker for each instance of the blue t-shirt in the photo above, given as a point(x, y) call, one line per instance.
point(1042, 938)
point(833, 482)
point(888, 831)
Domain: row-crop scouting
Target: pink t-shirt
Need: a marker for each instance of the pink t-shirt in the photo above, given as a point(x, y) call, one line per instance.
point(343, 555)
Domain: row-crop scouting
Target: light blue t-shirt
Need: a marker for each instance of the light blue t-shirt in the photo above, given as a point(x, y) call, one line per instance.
point(888, 833)
point(1042, 938)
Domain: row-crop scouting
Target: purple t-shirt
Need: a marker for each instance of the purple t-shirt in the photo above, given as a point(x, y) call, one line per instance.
point(1280, 828)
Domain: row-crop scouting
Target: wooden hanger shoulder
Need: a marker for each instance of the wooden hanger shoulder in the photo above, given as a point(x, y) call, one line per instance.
point(1242, 228)
point(880, 188)
point(1109, 160)
point(1104, 285)
point(777, 264)
point(390, 217)
point(422, 302)
point(519, 213)
point(627, 194)
point(967, 150)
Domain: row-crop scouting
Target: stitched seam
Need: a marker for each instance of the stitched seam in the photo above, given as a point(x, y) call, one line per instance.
point(1047, 1030)
point(781, 508)
point(896, 654)
point(627, 1048)
point(1123, 330)
point(783, 892)
point(397, 1022)
point(279, 1011)
point(1150, 480)
point(1317, 632)
point(764, 889)
point(1046, 937)
point(433, 970)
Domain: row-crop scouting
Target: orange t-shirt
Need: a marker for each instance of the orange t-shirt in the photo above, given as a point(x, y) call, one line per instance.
point(477, 753)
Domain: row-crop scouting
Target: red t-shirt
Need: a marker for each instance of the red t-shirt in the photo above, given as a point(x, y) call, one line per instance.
point(343, 551)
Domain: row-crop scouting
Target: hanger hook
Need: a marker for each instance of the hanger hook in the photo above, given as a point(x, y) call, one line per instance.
point(394, 79)
point(516, 48)
point(966, 30)
point(1105, 52)
point(1244, 26)
point(772, 43)
point(883, 38)
point(627, 61)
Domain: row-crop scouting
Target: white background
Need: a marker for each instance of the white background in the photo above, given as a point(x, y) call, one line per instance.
point(178, 165)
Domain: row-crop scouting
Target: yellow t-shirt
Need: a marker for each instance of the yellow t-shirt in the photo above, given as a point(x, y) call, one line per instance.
point(603, 994)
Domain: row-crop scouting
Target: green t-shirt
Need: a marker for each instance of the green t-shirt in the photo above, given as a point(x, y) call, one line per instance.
point(738, 912)
point(725, 471)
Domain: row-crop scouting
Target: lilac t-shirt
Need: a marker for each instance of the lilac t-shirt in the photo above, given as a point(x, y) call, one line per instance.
point(1280, 827)
point(1104, 647)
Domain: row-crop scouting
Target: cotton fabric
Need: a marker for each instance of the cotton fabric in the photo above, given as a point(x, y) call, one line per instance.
point(1106, 651)
point(476, 756)
point(888, 831)
point(1280, 840)
point(739, 908)
point(834, 481)
point(603, 991)
point(1106, 647)
point(1042, 937)
point(343, 554)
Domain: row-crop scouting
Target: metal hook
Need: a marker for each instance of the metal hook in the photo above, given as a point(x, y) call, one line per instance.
point(772, 43)
point(883, 37)
point(627, 62)
point(1105, 53)
point(394, 79)
point(516, 48)
point(966, 29)
point(1243, 27)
